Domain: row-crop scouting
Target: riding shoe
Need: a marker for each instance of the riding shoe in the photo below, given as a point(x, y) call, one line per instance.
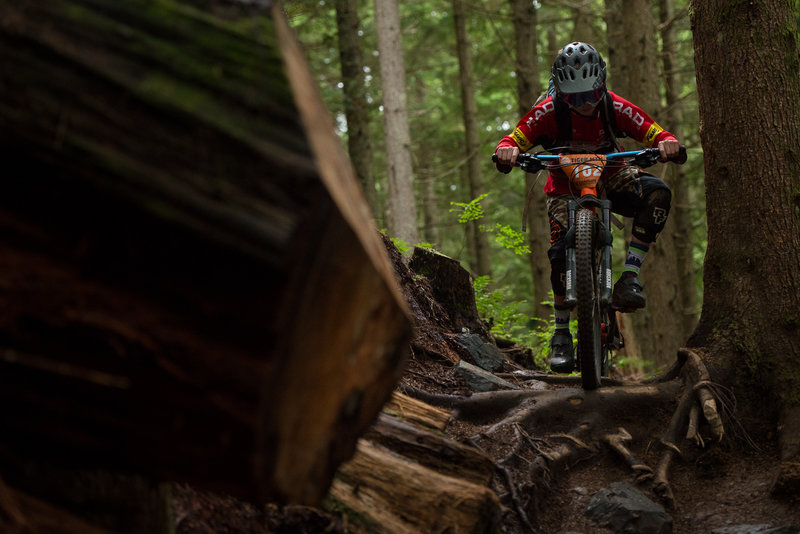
point(628, 293)
point(562, 357)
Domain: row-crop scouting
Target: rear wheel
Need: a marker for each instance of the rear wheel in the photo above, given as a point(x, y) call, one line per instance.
point(588, 307)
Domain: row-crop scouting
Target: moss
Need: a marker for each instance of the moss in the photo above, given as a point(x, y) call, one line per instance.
point(190, 44)
point(227, 73)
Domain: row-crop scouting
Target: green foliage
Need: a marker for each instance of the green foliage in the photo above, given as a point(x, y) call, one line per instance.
point(496, 309)
point(470, 211)
point(505, 236)
point(502, 312)
point(511, 239)
point(403, 247)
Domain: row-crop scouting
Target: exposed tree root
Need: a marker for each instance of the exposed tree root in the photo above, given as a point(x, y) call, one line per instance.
point(619, 442)
point(661, 483)
point(561, 380)
point(535, 435)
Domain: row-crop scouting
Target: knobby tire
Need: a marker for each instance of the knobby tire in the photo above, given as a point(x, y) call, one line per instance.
point(588, 307)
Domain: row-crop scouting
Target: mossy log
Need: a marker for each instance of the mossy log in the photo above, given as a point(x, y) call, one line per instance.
point(190, 283)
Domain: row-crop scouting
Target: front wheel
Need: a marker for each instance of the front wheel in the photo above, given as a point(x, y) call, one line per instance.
point(588, 306)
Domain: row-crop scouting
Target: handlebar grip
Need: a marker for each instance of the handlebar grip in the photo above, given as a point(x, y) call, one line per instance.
point(505, 169)
point(680, 159)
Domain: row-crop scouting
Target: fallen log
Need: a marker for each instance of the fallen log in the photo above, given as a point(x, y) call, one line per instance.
point(434, 451)
point(192, 285)
point(396, 495)
point(417, 412)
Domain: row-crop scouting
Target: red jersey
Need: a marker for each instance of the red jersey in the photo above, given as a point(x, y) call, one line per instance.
point(538, 127)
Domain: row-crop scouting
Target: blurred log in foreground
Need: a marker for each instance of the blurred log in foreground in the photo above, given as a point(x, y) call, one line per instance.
point(190, 283)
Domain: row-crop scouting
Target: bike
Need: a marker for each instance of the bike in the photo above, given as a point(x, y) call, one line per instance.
point(588, 250)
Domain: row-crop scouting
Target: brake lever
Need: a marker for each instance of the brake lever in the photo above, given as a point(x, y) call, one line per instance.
point(532, 165)
point(645, 159)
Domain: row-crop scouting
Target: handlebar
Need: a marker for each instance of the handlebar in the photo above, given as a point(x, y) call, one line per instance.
point(641, 158)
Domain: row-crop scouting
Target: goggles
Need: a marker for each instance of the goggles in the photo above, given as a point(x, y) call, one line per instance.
point(576, 100)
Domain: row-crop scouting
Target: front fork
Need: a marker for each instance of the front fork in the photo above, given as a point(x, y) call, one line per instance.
point(604, 242)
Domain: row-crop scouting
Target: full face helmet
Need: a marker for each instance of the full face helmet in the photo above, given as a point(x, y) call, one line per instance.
point(579, 73)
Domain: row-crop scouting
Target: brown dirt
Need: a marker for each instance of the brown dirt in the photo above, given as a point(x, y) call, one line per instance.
point(732, 490)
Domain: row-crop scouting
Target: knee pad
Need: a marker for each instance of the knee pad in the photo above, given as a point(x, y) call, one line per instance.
point(652, 214)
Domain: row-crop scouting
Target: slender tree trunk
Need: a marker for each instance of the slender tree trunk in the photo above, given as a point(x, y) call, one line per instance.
point(582, 25)
point(750, 321)
point(528, 89)
point(402, 209)
point(430, 230)
point(680, 212)
point(427, 183)
point(553, 44)
point(470, 110)
point(355, 103)
point(634, 56)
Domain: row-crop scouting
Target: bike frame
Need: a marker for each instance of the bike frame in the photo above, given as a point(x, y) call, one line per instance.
point(590, 223)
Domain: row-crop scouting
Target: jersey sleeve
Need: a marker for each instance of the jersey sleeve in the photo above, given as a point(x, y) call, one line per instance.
point(533, 129)
point(632, 120)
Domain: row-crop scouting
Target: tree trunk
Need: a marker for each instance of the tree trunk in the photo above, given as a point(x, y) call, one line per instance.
point(356, 109)
point(430, 216)
point(680, 212)
point(634, 56)
point(528, 90)
point(423, 162)
point(470, 110)
point(582, 25)
point(402, 208)
point(183, 239)
point(750, 322)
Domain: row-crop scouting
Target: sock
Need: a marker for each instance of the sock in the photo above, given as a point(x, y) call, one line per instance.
point(636, 254)
point(562, 317)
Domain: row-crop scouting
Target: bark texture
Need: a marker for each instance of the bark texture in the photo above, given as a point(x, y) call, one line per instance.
point(750, 321)
point(680, 213)
point(356, 109)
point(402, 207)
point(180, 225)
point(483, 263)
point(529, 88)
point(633, 73)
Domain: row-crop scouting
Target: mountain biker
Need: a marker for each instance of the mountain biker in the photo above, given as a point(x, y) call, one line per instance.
point(580, 115)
